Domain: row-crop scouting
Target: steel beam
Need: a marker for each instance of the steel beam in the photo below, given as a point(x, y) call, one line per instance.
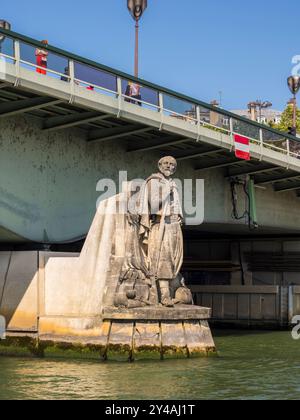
point(4, 85)
point(71, 120)
point(194, 155)
point(221, 163)
point(117, 132)
point(164, 142)
point(276, 178)
point(286, 186)
point(252, 170)
point(25, 105)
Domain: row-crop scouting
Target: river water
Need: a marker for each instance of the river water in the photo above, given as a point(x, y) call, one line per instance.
point(252, 365)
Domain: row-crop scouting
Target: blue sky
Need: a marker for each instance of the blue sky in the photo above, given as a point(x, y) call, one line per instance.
point(197, 47)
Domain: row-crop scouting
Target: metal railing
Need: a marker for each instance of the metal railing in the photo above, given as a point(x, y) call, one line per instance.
point(86, 74)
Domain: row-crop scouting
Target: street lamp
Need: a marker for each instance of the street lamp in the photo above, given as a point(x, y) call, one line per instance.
point(136, 9)
point(294, 86)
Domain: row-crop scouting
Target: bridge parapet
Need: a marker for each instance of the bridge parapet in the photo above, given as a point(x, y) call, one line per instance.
point(84, 82)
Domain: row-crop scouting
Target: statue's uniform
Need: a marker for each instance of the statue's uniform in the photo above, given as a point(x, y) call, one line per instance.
point(161, 232)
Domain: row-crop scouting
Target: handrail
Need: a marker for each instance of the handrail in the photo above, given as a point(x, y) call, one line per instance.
point(145, 83)
point(42, 68)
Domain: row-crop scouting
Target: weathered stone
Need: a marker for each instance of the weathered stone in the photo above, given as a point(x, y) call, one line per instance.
point(147, 341)
point(104, 336)
point(173, 340)
point(76, 327)
point(120, 342)
point(157, 313)
point(198, 338)
point(206, 337)
point(19, 291)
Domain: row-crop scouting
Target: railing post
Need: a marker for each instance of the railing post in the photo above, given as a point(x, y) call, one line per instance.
point(161, 108)
point(288, 151)
point(198, 117)
point(72, 71)
point(119, 87)
point(119, 95)
point(198, 114)
point(17, 60)
point(161, 102)
point(261, 143)
point(72, 80)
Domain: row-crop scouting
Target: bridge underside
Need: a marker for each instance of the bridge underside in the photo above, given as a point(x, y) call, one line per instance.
point(138, 136)
point(56, 115)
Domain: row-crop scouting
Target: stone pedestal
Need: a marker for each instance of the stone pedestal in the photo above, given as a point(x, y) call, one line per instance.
point(158, 333)
point(132, 334)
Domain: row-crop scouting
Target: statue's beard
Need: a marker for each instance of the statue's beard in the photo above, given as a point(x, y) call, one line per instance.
point(167, 172)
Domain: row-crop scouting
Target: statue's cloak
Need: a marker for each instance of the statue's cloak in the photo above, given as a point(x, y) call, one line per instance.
point(160, 217)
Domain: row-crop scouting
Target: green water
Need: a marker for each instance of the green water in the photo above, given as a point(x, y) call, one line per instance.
point(257, 365)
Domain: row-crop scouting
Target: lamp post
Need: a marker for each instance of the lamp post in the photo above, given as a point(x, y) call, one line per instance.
point(294, 86)
point(136, 9)
point(260, 105)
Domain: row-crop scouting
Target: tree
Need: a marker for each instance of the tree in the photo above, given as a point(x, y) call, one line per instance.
point(287, 119)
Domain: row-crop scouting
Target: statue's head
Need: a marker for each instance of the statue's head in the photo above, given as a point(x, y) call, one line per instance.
point(167, 166)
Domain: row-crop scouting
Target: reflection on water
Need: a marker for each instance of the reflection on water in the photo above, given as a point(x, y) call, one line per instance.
point(263, 365)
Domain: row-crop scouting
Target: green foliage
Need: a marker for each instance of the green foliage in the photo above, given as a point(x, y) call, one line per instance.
point(287, 119)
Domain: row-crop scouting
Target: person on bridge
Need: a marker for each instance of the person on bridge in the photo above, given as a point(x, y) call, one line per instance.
point(41, 58)
point(133, 91)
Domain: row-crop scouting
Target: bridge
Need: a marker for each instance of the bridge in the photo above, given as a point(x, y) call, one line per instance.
point(64, 130)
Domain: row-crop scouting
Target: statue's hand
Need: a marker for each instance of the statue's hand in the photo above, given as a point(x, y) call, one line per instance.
point(153, 278)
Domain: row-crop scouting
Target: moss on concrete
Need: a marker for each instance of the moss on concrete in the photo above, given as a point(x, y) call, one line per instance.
point(173, 352)
point(203, 352)
point(119, 353)
point(32, 347)
point(72, 350)
point(147, 353)
point(91, 349)
point(20, 346)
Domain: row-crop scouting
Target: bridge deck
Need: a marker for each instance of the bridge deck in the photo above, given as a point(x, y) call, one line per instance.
point(78, 93)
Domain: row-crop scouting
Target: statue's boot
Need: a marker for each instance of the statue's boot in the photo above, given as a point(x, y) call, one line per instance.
point(165, 294)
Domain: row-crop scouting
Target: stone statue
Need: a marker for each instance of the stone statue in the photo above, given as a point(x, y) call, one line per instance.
point(154, 245)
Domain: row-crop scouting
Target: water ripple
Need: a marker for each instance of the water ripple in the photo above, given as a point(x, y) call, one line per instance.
point(251, 366)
